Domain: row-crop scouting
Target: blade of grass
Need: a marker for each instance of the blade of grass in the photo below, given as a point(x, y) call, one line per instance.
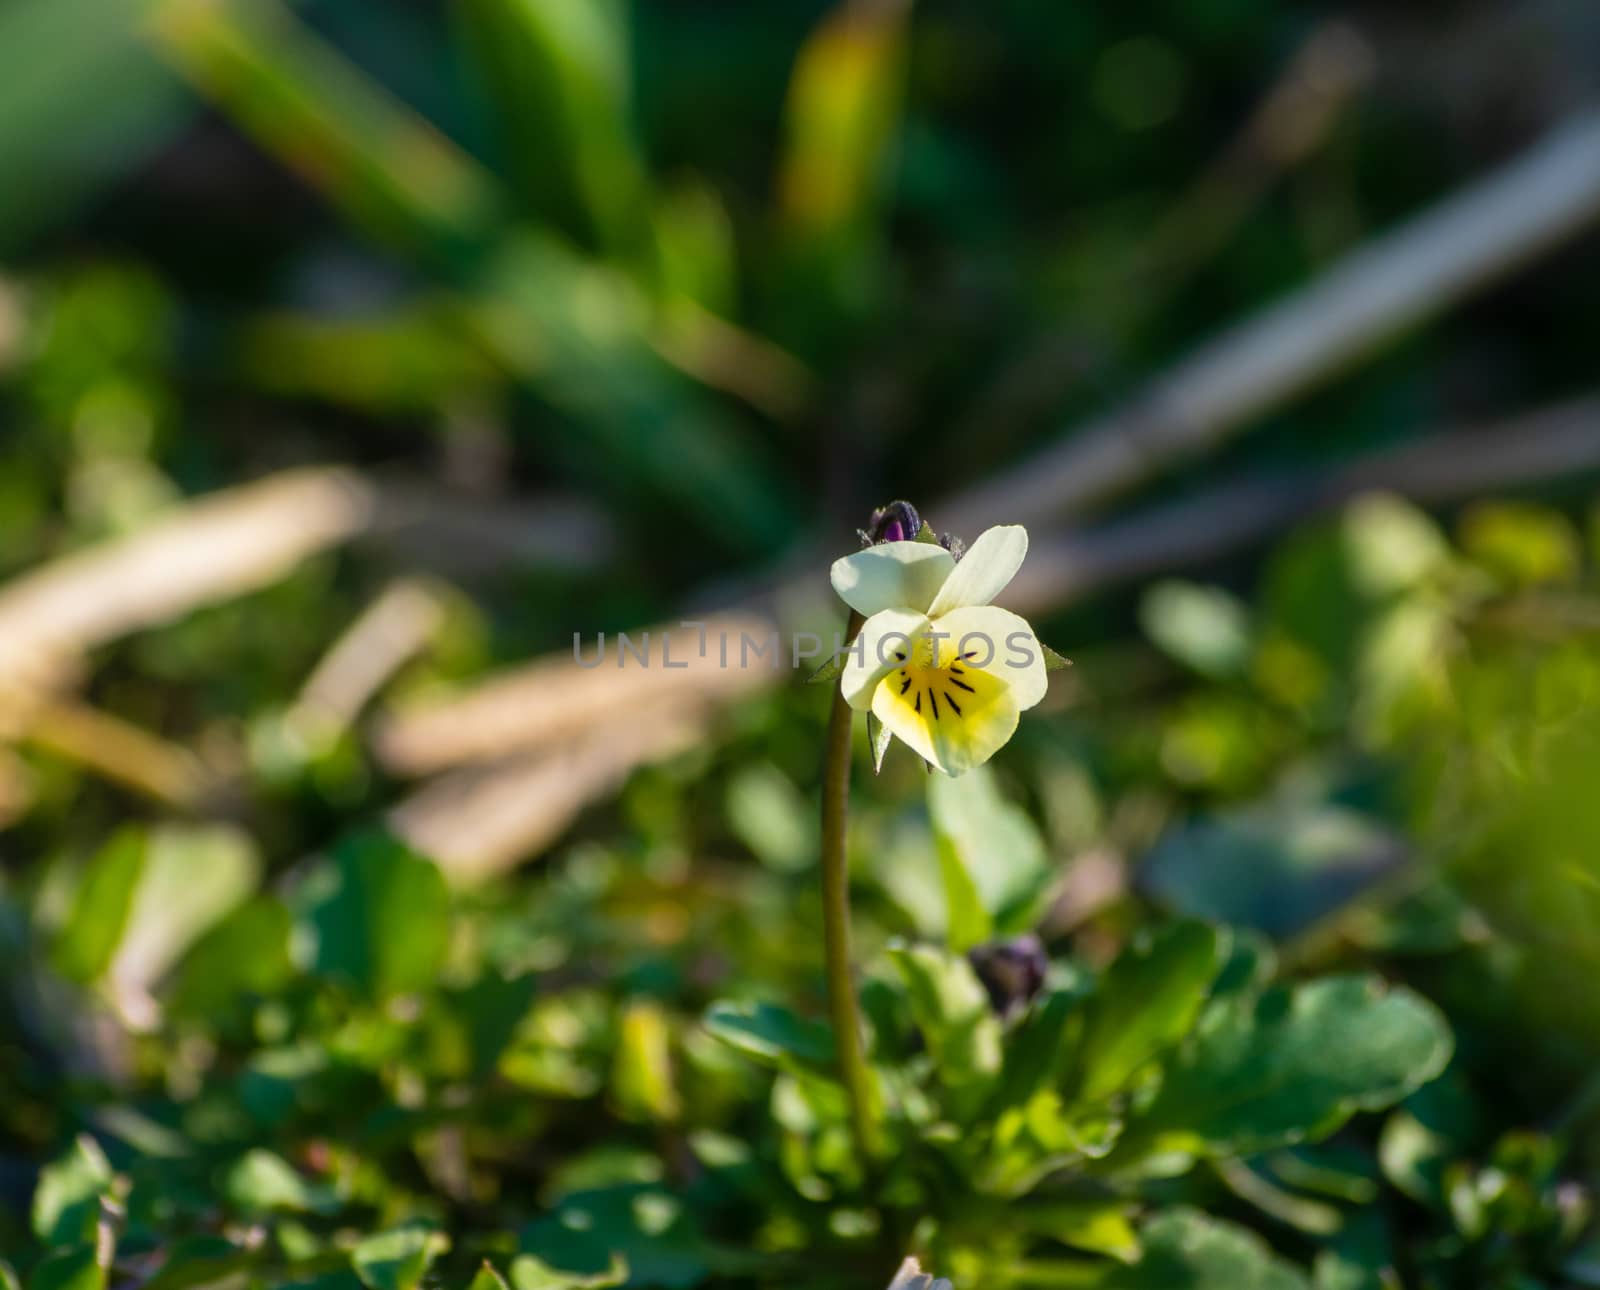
point(58, 142)
point(580, 331)
point(557, 72)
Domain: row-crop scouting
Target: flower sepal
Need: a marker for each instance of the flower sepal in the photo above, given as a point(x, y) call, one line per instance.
point(1053, 662)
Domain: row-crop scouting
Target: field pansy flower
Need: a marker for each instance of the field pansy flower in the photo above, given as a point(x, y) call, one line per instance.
point(942, 668)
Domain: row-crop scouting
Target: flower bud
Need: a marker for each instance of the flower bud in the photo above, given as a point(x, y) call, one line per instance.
point(896, 522)
point(1011, 971)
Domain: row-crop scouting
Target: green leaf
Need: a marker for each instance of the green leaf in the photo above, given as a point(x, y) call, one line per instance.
point(1437, 1125)
point(995, 864)
point(487, 1278)
point(382, 917)
point(192, 877)
point(1279, 865)
point(400, 181)
point(200, 1261)
point(771, 817)
point(967, 922)
point(94, 929)
point(1313, 1217)
point(8, 1277)
point(1357, 1257)
point(66, 1203)
point(1204, 628)
point(399, 1258)
point(697, 256)
point(1185, 1250)
point(772, 1034)
point(246, 953)
point(1326, 584)
point(651, 1229)
point(1147, 1001)
point(952, 1008)
point(56, 146)
point(77, 1268)
point(642, 1079)
point(1522, 543)
point(1414, 1157)
point(1293, 1064)
point(261, 1182)
point(1100, 1227)
point(841, 117)
point(529, 1273)
point(1033, 1048)
point(559, 74)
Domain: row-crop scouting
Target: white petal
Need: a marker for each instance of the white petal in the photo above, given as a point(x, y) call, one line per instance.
point(883, 645)
point(1005, 647)
point(989, 564)
point(892, 575)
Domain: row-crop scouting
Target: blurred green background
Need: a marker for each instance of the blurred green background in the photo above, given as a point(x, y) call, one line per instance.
point(354, 356)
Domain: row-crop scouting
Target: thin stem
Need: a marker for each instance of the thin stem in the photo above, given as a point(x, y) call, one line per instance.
point(842, 1009)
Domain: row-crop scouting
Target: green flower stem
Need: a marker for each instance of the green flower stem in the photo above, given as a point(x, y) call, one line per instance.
point(842, 1008)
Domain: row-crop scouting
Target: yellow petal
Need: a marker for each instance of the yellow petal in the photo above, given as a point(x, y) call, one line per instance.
point(886, 642)
point(951, 713)
point(1003, 643)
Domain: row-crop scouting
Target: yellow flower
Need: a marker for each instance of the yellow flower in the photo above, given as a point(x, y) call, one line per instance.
point(943, 669)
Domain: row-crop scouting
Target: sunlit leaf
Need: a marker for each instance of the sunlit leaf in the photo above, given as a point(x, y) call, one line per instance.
point(529, 1273)
point(771, 1033)
point(397, 1259)
point(77, 1268)
point(952, 1008)
point(247, 952)
point(1202, 627)
point(768, 814)
point(66, 1201)
point(1294, 1064)
point(991, 851)
point(381, 916)
point(105, 897)
point(1145, 1003)
point(1185, 1250)
point(643, 1079)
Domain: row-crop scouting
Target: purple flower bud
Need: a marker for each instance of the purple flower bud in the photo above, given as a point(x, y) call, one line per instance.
point(1011, 971)
point(896, 522)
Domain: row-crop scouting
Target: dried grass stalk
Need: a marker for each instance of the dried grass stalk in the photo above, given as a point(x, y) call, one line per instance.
point(556, 699)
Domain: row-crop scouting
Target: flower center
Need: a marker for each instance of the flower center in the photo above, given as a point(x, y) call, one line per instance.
point(934, 692)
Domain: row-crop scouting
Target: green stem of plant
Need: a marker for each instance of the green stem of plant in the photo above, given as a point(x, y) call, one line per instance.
point(842, 1009)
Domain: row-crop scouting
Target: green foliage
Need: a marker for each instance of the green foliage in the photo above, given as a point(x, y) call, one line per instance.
point(100, 911)
point(990, 855)
point(397, 1259)
point(1184, 1250)
point(78, 1268)
point(1148, 1000)
point(1202, 627)
point(1259, 1074)
point(771, 1034)
point(66, 1202)
point(381, 917)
